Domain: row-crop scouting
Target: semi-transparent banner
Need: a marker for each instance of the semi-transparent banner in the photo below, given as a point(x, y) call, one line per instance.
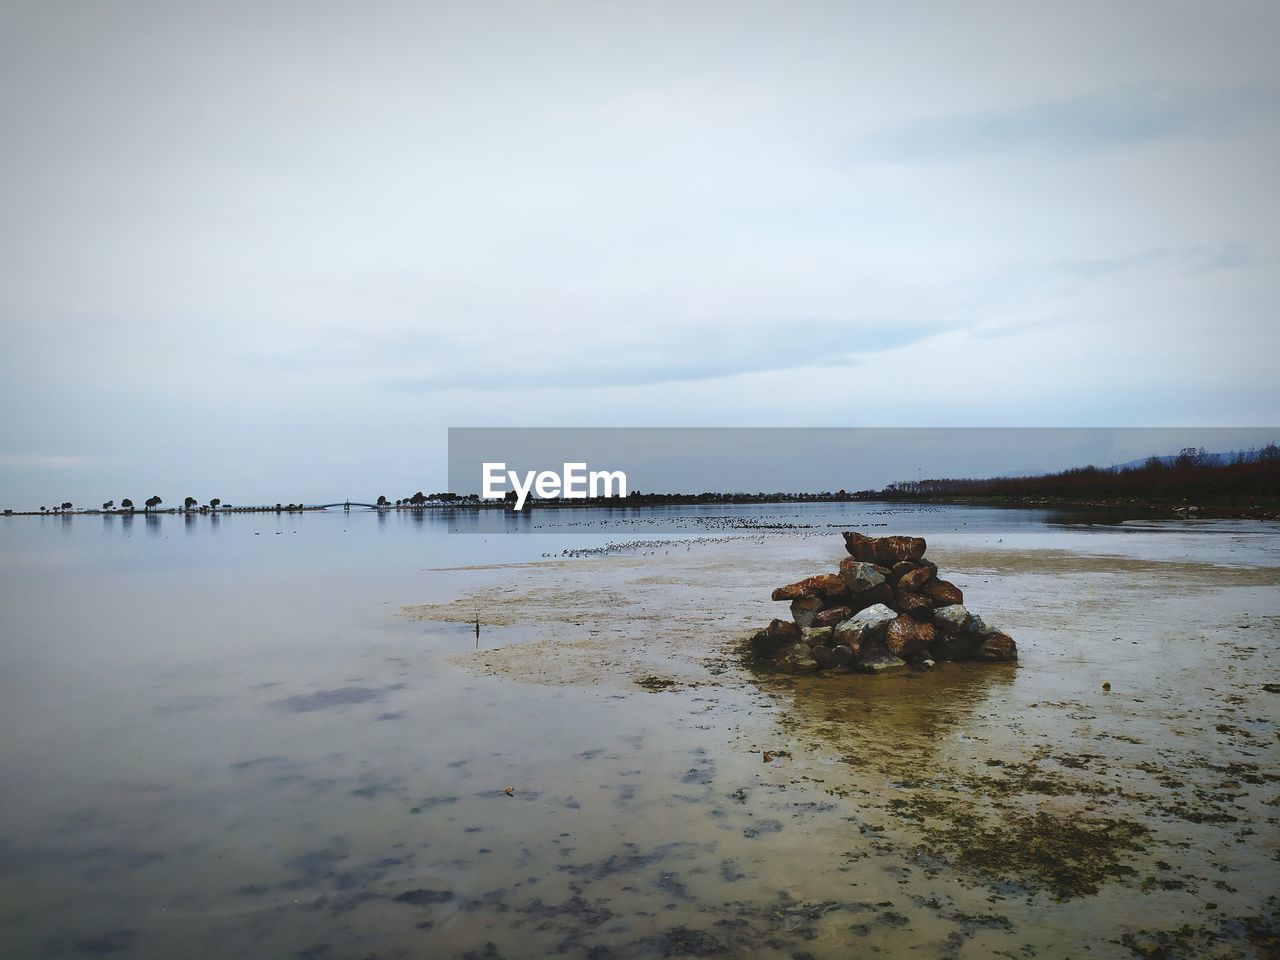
point(523, 469)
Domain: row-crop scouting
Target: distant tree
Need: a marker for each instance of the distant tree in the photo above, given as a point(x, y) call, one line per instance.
point(44, 509)
point(66, 505)
point(189, 503)
point(214, 503)
point(418, 499)
point(108, 505)
point(382, 501)
point(126, 504)
point(153, 502)
point(1190, 457)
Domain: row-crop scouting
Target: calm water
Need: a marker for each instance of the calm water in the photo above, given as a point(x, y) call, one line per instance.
point(221, 739)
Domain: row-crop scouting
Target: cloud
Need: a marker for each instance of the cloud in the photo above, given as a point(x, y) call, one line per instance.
point(1074, 126)
point(1202, 258)
point(1211, 258)
point(1100, 266)
point(997, 330)
point(37, 461)
point(707, 352)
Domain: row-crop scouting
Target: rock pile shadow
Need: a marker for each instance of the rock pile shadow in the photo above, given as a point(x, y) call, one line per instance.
point(886, 609)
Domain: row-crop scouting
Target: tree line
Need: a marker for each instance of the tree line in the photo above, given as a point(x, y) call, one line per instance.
point(1192, 474)
point(190, 505)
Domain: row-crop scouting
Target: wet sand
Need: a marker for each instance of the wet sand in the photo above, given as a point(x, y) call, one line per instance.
point(975, 810)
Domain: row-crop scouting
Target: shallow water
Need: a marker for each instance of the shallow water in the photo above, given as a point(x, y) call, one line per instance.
point(265, 736)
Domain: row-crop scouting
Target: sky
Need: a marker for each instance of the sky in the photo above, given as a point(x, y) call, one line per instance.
point(273, 251)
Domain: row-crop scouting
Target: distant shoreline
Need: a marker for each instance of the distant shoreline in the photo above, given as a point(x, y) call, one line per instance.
point(1260, 508)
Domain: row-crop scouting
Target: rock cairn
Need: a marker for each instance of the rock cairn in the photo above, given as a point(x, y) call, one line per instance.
point(886, 609)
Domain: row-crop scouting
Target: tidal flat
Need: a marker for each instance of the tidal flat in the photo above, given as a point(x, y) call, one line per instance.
point(297, 746)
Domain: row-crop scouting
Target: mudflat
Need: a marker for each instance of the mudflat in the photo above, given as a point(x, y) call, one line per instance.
point(974, 809)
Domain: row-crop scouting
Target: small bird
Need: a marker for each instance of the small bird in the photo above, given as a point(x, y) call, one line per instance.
point(1106, 686)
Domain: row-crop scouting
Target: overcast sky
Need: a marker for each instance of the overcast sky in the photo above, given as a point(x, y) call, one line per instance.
point(271, 251)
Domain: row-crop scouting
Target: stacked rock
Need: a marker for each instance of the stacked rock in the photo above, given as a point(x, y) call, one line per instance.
point(886, 609)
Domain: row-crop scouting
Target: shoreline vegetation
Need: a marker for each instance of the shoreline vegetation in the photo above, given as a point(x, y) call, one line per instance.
point(1241, 485)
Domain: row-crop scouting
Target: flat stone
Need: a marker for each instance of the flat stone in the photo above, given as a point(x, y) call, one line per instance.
point(883, 550)
point(952, 617)
point(822, 585)
point(881, 662)
point(860, 576)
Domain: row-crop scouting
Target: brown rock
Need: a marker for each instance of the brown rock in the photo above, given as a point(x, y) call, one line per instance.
point(913, 604)
point(845, 599)
point(956, 646)
point(891, 550)
point(906, 636)
point(822, 656)
point(841, 656)
point(822, 585)
point(775, 635)
point(804, 610)
point(943, 593)
point(880, 594)
point(914, 579)
point(997, 646)
point(885, 551)
point(831, 616)
point(859, 546)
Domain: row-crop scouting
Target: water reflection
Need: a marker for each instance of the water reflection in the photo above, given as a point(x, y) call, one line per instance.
point(915, 712)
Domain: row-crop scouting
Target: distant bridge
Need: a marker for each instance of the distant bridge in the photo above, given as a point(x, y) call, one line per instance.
point(348, 504)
